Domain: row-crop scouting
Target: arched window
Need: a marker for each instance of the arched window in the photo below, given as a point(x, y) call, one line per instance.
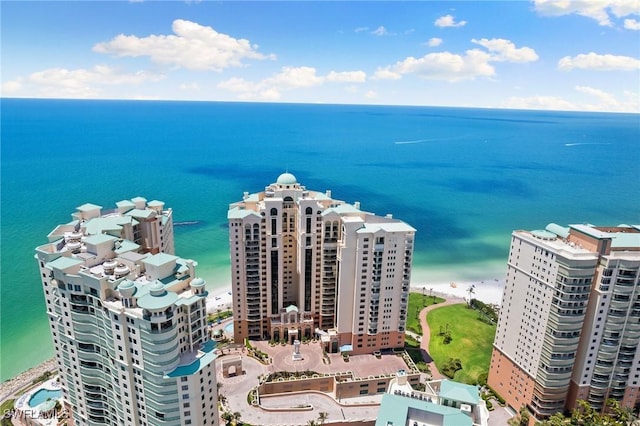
point(309, 210)
point(274, 212)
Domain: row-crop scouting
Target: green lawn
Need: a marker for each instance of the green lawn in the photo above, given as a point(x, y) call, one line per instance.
point(417, 302)
point(471, 340)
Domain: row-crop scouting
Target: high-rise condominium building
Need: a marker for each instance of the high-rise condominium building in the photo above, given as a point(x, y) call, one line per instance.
point(303, 263)
point(128, 319)
point(569, 324)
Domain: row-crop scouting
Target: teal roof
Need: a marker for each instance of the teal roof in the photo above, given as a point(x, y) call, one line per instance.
point(560, 231)
point(160, 259)
point(156, 299)
point(286, 179)
point(198, 282)
point(141, 213)
point(110, 223)
point(63, 263)
point(460, 392)
point(126, 245)
point(99, 238)
point(292, 308)
point(341, 209)
point(397, 410)
point(238, 213)
point(198, 364)
point(88, 207)
point(155, 203)
point(126, 284)
point(125, 203)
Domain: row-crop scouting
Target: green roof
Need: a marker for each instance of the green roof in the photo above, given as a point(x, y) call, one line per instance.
point(460, 392)
point(397, 410)
point(292, 308)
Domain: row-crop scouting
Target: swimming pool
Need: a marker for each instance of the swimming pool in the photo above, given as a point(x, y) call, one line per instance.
point(229, 328)
point(42, 395)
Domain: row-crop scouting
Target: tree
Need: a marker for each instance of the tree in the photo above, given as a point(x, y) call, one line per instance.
point(227, 417)
point(586, 415)
point(236, 416)
point(522, 419)
point(470, 290)
point(322, 417)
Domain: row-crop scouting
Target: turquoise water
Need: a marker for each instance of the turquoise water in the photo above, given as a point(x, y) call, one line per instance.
point(229, 328)
point(42, 395)
point(464, 178)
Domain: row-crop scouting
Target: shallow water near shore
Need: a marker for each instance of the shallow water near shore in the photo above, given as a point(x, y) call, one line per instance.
point(464, 178)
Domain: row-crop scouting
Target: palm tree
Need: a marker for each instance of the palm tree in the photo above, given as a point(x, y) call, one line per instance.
point(470, 290)
point(236, 416)
point(322, 417)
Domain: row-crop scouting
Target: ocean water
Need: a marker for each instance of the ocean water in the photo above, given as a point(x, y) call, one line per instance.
point(464, 178)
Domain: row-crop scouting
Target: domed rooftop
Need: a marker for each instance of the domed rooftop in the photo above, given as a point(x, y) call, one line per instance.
point(197, 282)
point(286, 179)
point(126, 284)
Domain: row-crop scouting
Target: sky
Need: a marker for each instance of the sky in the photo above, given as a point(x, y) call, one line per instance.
point(541, 54)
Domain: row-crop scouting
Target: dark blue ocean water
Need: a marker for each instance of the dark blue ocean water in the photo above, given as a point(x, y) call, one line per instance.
point(464, 178)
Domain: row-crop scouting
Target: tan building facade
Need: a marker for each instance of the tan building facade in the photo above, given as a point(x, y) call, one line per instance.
point(304, 264)
point(569, 325)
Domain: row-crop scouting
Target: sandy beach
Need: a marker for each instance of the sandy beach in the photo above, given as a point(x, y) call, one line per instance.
point(487, 291)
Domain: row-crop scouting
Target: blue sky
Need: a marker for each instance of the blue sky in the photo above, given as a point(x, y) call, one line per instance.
point(543, 54)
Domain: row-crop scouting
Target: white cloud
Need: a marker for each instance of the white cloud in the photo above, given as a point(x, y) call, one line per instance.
point(448, 21)
point(632, 24)
point(539, 102)
point(380, 31)
point(386, 73)
point(361, 29)
point(603, 102)
point(371, 94)
point(434, 42)
point(597, 62)
point(12, 87)
point(505, 50)
point(347, 77)
point(441, 66)
point(455, 67)
point(189, 86)
point(78, 83)
point(193, 47)
point(604, 97)
point(289, 78)
point(600, 10)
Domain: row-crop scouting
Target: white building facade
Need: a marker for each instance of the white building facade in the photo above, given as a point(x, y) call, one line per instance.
point(128, 319)
point(304, 263)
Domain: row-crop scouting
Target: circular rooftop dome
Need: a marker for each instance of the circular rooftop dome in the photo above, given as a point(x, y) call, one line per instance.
point(286, 179)
point(157, 289)
point(197, 282)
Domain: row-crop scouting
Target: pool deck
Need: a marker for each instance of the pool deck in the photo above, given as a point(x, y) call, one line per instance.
point(22, 404)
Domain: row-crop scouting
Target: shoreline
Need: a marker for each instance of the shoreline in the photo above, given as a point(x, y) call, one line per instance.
point(24, 380)
point(487, 291)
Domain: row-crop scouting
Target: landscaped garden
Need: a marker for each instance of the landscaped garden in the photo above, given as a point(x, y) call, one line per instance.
point(459, 338)
point(417, 302)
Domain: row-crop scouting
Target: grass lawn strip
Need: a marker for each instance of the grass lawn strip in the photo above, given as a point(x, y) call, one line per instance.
point(471, 341)
point(417, 302)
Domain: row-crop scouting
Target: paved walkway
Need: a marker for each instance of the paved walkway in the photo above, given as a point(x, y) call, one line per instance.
point(426, 334)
